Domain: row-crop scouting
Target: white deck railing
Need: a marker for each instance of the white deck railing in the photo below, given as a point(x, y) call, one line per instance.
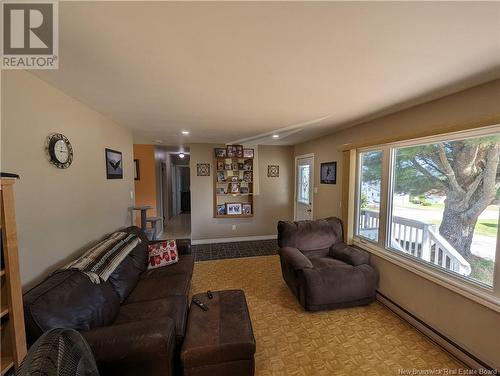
point(417, 238)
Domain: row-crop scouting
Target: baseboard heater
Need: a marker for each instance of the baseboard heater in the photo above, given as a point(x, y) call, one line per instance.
point(451, 347)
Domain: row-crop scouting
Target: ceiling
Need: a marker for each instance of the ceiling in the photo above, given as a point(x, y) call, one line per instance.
point(242, 71)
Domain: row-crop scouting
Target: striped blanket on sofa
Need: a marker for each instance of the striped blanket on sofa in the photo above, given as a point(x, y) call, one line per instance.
point(100, 261)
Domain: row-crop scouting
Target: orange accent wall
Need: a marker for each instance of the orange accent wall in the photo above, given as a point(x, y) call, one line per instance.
point(145, 187)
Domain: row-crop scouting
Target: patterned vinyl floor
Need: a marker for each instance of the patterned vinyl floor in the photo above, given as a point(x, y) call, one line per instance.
point(290, 341)
point(217, 251)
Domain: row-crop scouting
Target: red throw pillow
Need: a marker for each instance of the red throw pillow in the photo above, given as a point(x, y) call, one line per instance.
point(162, 254)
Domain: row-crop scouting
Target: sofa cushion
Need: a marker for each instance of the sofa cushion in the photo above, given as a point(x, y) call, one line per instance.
point(310, 237)
point(160, 287)
point(184, 266)
point(68, 299)
point(174, 306)
point(161, 254)
point(338, 283)
point(125, 278)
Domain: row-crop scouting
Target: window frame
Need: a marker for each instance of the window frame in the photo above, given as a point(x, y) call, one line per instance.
point(358, 193)
point(475, 290)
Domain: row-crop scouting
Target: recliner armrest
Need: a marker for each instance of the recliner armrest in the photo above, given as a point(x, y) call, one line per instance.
point(350, 255)
point(295, 258)
point(134, 342)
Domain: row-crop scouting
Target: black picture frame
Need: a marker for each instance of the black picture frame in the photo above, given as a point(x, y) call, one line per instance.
point(328, 173)
point(114, 164)
point(220, 152)
point(137, 171)
point(234, 151)
point(203, 169)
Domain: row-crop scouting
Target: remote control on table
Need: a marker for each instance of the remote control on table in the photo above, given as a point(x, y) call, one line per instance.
point(210, 295)
point(200, 304)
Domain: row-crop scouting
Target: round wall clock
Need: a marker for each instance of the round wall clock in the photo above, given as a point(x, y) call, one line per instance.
point(59, 150)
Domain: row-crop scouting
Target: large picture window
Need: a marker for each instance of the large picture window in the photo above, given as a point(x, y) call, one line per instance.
point(442, 202)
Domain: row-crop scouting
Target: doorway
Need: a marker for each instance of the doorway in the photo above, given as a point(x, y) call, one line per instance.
point(176, 197)
point(304, 181)
point(182, 190)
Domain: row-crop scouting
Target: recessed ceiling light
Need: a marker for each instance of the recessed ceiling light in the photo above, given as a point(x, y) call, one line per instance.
point(276, 136)
point(185, 132)
point(181, 155)
point(159, 141)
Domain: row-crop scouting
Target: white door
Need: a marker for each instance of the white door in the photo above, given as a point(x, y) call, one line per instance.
point(304, 171)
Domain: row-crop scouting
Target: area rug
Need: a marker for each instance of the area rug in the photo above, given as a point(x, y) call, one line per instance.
point(290, 341)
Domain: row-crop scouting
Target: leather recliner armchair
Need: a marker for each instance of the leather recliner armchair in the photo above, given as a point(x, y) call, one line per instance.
point(321, 270)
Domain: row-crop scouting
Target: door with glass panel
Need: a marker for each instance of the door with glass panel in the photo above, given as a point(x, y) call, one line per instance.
point(304, 188)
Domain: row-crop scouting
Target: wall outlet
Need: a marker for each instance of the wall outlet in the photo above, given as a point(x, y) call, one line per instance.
point(315, 190)
point(131, 195)
point(233, 227)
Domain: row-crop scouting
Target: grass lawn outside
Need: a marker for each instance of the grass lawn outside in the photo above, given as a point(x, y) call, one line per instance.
point(482, 269)
point(486, 227)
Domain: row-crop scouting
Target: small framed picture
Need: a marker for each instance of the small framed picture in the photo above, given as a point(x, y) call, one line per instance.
point(231, 151)
point(235, 165)
point(243, 190)
point(329, 173)
point(234, 188)
point(203, 169)
point(220, 152)
point(220, 176)
point(228, 166)
point(220, 191)
point(114, 164)
point(247, 208)
point(220, 165)
point(240, 165)
point(239, 151)
point(234, 208)
point(247, 165)
point(221, 209)
point(137, 174)
point(248, 153)
point(234, 151)
point(273, 171)
point(247, 176)
point(235, 179)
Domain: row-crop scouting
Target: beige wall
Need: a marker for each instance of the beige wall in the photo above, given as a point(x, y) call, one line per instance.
point(60, 211)
point(469, 324)
point(274, 201)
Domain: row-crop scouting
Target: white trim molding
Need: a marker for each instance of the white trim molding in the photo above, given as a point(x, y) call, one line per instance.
point(232, 240)
point(470, 290)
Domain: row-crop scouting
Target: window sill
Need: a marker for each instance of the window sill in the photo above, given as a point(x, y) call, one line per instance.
point(477, 293)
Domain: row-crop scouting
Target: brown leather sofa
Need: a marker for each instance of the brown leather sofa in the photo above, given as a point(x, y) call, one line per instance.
point(134, 323)
point(320, 269)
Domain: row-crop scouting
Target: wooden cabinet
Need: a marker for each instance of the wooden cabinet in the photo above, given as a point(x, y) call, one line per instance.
point(13, 338)
point(233, 187)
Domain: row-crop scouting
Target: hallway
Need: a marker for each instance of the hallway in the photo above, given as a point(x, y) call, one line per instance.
point(179, 227)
